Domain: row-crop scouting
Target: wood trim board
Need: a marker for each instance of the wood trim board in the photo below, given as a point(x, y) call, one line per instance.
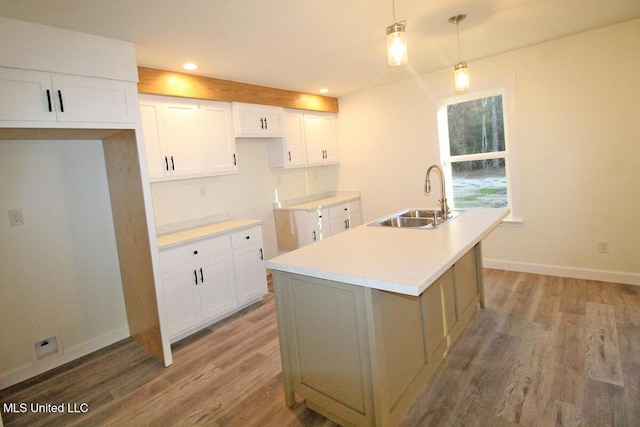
point(168, 83)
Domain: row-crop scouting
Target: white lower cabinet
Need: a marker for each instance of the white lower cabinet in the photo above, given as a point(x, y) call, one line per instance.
point(207, 280)
point(345, 216)
point(299, 227)
point(248, 258)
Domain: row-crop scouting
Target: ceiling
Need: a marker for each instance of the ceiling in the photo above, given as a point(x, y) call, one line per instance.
point(305, 45)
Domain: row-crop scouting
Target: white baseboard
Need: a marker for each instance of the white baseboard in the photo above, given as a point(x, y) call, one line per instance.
point(562, 271)
point(25, 372)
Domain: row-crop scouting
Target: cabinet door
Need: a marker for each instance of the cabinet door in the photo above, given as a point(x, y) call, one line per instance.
point(355, 214)
point(321, 138)
point(339, 216)
point(294, 152)
point(150, 118)
point(219, 139)
point(439, 315)
point(251, 273)
point(182, 301)
point(182, 135)
point(216, 285)
point(26, 95)
point(345, 216)
point(250, 269)
point(466, 281)
point(318, 225)
point(90, 99)
point(252, 120)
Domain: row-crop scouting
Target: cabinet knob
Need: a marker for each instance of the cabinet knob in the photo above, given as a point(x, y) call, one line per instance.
point(195, 252)
point(247, 237)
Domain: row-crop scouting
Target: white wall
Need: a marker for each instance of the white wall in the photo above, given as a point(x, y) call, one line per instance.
point(248, 194)
point(578, 131)
point(60, 271)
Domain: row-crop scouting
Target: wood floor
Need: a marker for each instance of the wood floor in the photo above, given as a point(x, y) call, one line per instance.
point(545, 351)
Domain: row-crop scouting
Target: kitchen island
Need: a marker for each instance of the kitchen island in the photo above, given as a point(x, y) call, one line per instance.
point(366, 317)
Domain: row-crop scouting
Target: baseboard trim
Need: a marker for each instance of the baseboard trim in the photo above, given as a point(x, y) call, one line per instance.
point(626, 278)
point(25, 372)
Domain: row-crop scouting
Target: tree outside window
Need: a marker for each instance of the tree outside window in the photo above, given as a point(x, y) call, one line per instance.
point(474, 151)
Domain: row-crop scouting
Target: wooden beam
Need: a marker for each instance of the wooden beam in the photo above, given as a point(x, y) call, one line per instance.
point(169, 83)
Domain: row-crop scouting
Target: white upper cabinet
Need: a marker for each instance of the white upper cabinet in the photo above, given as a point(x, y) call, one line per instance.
point(182, 137)
point(321, 138)
point(290, 152)
point(36, 96)
point(257, 121)
point(187, 138)
point(28, 95)
point(150, 114)
point(172, 138)
point(310, 139)
point(220, 142)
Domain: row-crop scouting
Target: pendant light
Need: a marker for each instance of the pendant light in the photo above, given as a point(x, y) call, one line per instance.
point(397, 41)
point(460, 72)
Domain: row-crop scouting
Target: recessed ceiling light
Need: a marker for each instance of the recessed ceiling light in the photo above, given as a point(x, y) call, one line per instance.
point(324, 90)
point(190, 66)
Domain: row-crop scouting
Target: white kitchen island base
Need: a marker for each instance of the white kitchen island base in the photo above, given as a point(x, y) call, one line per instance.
point(360, 356)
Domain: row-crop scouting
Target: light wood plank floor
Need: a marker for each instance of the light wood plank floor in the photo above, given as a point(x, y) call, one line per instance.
point(545, 351)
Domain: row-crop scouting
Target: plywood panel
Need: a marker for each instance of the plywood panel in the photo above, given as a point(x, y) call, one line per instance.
point(160, 82)
point(134, 251)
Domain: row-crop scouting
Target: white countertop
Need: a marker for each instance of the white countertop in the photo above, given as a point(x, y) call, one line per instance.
point(208, 230)
point(319, 201)
point(401, 260)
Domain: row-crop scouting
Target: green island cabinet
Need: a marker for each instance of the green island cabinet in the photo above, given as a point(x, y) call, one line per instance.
point(360, 356)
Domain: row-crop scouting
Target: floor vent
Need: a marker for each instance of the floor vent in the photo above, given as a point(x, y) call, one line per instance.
point(46, 348)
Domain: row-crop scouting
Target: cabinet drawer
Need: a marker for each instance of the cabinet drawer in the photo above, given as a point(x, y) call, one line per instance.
point(338, 210)
point(193, 251)
point(247, 236)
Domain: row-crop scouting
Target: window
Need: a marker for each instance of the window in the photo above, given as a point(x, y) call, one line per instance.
point(478, 152)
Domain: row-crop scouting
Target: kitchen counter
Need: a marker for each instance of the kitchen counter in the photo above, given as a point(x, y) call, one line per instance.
point(318, 201)
point(366, 317)
point(194, 231)
point(402, 260)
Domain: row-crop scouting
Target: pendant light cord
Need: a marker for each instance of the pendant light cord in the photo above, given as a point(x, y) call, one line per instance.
point(459, 48)
point(456, 20)
point(394, 11)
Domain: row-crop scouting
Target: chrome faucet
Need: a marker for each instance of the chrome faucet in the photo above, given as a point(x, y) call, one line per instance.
point(444, 207)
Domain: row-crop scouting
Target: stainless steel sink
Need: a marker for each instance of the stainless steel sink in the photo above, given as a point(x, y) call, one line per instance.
point(422, 213)
point(401, 222)
point(417, 218)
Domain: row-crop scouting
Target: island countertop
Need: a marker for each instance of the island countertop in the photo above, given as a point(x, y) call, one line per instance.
point(401, 260)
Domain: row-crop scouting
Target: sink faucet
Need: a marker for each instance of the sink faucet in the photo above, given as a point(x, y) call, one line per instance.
point(444, 208)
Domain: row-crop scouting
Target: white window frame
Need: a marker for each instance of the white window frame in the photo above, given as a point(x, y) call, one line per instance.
point(507, 91)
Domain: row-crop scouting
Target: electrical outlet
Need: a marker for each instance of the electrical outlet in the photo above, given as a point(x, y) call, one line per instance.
point(15, 217)
point(603, 246)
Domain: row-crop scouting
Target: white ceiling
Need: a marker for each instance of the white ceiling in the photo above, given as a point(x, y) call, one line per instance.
point(304, 45)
